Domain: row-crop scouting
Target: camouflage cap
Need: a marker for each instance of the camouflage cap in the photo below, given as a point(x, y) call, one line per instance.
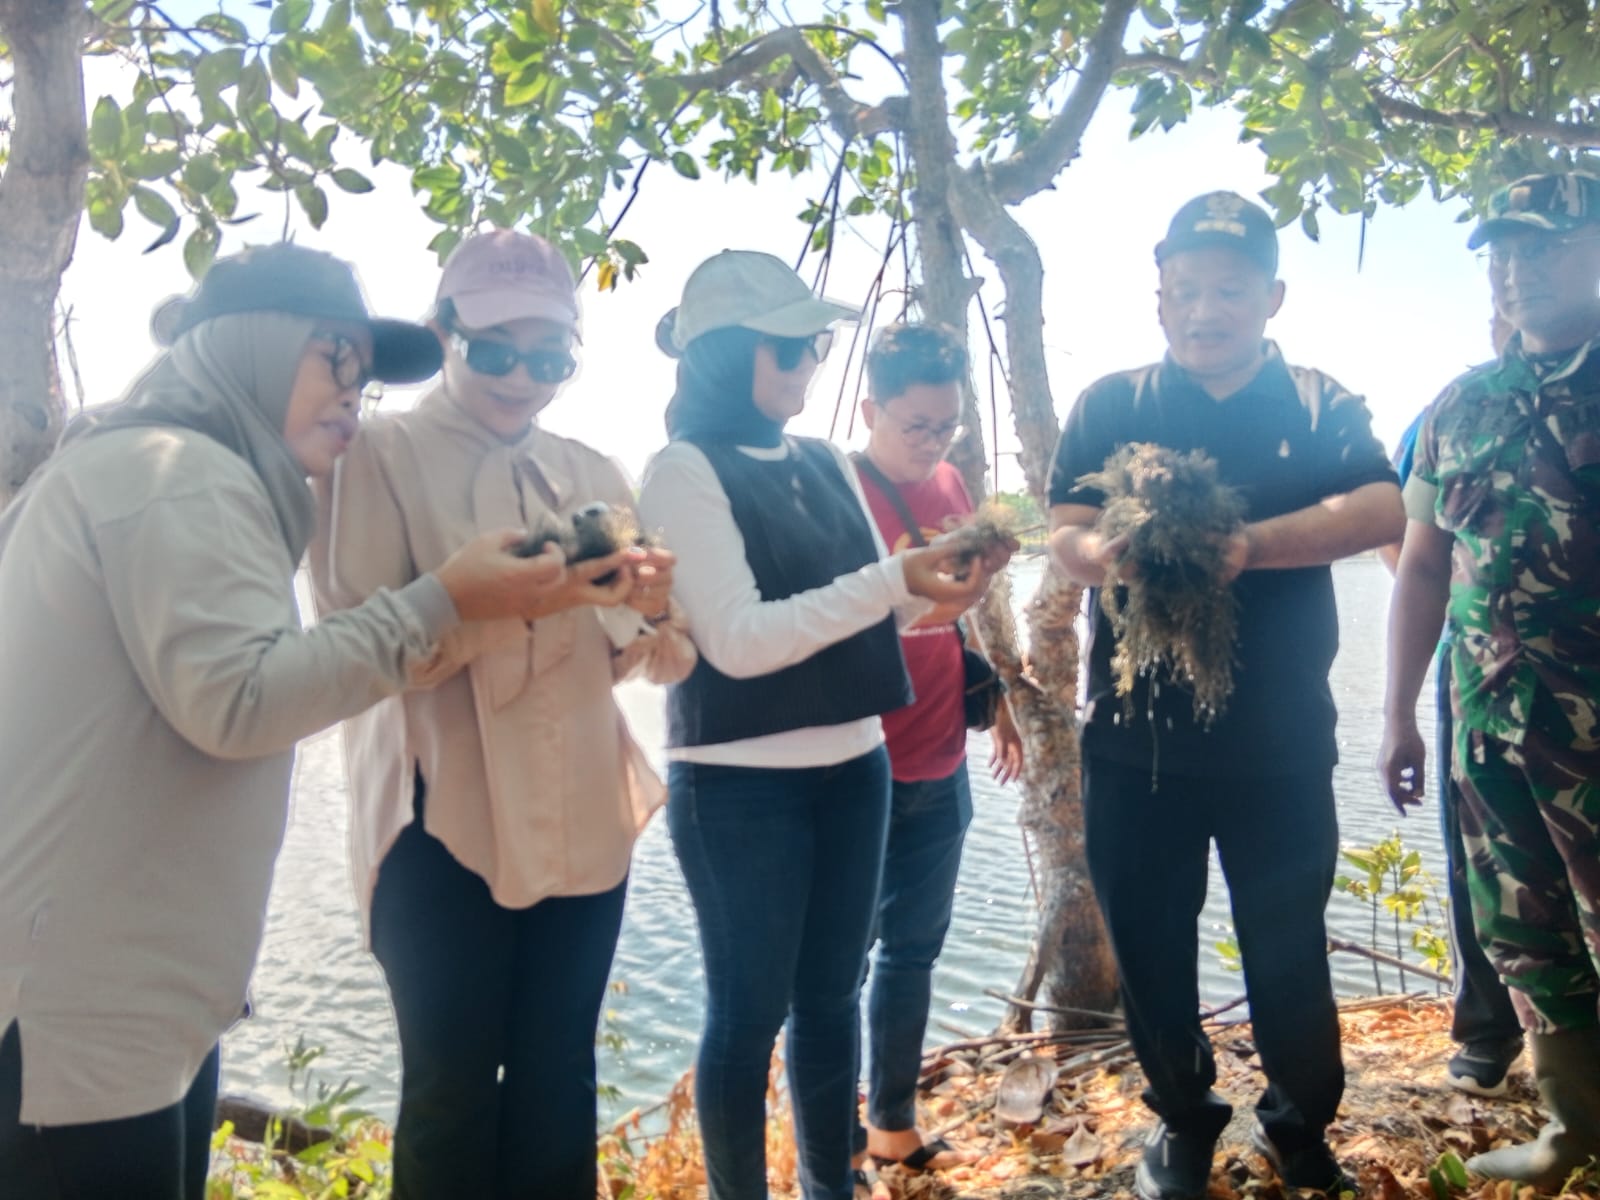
point(1554, 203)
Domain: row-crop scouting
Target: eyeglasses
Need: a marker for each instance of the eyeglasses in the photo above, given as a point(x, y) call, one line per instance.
point(489, 357)
point(1533, 252)
point(787, 352)
point(920, 433)
point(348, 368)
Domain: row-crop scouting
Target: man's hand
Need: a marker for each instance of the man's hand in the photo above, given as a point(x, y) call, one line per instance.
point(1110, 555)
point(1236, 553)
point(1005, 760)
point(487, 582)
point(579, 587)
point(1402, 764)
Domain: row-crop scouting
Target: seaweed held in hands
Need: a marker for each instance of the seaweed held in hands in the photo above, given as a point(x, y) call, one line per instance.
point(993, 527)
point(1175, 612)
point(595, 531)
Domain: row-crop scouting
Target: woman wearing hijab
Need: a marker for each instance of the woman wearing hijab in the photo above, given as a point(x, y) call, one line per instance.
point(156, 679)
point(779, 782)
point(495, 808)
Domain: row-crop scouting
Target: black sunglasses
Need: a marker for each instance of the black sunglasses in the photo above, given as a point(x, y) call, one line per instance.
point(788, 352)
point(489, 357)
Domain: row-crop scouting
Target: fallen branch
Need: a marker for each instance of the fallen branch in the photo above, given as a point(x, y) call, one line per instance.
point(1387, 960)
point(1031, 1006)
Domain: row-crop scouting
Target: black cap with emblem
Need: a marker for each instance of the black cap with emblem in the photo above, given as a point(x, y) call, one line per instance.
point(1226, 220)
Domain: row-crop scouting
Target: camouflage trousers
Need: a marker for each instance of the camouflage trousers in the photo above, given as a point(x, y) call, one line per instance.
point(1530, 819)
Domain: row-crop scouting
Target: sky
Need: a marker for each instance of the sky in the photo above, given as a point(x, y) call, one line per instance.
point(1395, 326)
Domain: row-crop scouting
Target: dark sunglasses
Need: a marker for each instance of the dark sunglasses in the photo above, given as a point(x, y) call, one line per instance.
point(489, 357)
point(788, 352)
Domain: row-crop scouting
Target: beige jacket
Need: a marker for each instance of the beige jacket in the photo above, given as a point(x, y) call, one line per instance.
point(154, 678)
point(533, 779)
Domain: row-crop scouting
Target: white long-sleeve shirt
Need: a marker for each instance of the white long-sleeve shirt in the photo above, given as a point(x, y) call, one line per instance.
point(742, 635)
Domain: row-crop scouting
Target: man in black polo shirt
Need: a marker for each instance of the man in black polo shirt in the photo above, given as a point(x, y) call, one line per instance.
point(1158, 787)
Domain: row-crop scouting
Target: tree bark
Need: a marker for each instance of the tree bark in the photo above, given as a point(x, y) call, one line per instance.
point(1071, 957)
point(41, 202)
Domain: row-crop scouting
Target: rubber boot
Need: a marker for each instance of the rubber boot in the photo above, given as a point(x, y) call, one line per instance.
point(1566, 1067)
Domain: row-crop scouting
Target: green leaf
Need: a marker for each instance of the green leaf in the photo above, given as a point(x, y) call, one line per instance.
point(199, 248)
point(284, 73)
point(684, 164)
point(154, 207)
point(376, 19)
point(216, 71)
point(255, 88)
point(337, 18)
point(202, 172)
point(107, 129)
point(443, 177)
point(351, 181)
point(224, 28)
point(1454, 1170)
point(155, 164)
point(526, 86)
point(290, 16)
point(105, 217)
point(315, 202)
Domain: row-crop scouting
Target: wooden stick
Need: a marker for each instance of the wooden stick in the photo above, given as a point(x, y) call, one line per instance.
point(1387, 960)
point(1031, 1006)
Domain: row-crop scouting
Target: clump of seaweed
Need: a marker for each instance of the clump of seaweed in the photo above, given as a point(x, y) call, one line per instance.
point(992, 527)
point(1174, 611)
point(594, 531)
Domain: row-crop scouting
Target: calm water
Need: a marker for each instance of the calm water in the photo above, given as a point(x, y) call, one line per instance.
point(315, 979)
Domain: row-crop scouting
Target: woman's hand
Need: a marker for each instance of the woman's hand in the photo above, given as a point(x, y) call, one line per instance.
point(487, 582)
point(930, 572)
point(652, 582)
point(581, 586)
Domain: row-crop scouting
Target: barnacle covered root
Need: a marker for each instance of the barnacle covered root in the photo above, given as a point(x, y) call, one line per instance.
point(993, 527)
point(1173, 611)
point(595, 531)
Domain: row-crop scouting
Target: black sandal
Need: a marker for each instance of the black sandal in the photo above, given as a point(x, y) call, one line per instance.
point(919, 1158)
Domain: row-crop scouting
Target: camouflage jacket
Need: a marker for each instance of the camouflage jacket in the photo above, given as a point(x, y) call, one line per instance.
point(1508, 461)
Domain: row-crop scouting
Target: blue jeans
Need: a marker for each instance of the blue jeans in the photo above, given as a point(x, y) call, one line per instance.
point(927, 824)
point(783, 868)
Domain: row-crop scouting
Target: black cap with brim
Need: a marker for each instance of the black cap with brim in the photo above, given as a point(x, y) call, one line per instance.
point(291, 279)
point(1226, 221)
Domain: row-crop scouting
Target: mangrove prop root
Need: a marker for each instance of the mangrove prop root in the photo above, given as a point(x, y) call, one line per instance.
point(1172, 613)
point(595, 531)
point(992, 527)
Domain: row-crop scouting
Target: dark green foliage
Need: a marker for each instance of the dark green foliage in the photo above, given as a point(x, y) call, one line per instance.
point(1173, 611)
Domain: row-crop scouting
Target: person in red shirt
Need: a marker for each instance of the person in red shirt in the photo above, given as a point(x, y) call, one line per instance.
point(913, 413)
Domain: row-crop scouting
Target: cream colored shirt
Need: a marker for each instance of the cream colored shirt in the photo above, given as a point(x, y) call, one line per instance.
point(155, 680)
point(534, 781)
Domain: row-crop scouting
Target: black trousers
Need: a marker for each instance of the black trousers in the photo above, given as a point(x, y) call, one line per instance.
point(1149, 853)
point(161, 1155)
point(496, 1009)
point(1483, 1010)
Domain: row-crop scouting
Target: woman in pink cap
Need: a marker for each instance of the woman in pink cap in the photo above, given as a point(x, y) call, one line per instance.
point(495, 807)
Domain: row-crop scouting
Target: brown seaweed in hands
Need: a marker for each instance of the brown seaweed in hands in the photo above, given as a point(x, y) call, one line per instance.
point(1175, 612)
point(595, 531)
point(993, 527)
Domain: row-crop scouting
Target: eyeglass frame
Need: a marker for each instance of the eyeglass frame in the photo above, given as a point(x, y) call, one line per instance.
point(919, 432)
point(1541, 249)
point(344, 351)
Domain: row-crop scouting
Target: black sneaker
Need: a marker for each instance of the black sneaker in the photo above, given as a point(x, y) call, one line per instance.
point(1481, 1067)
point(1311, 1168)
point(1175, 1166)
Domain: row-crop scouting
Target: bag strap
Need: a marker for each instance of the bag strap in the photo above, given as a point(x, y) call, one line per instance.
point(869, 468)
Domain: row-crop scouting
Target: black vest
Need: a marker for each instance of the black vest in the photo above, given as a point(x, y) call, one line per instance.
point(803, 528)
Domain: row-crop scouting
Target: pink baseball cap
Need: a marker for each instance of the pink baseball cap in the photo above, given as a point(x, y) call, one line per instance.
point(501, 276)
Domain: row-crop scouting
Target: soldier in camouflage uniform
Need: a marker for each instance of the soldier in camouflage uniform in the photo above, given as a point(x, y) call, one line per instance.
point(1504, 501)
